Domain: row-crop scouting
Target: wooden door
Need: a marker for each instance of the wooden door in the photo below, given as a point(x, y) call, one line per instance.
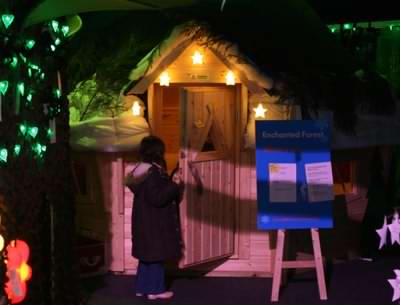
point(207, 162)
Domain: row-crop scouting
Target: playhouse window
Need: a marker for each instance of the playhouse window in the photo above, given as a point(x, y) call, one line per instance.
point(343, 177)
point(208, 144)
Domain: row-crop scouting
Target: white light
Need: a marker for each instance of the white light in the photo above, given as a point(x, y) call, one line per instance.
point(230, 78)
point(164, 79)
point(136, 108)
point(197, 58)
point(260, 111)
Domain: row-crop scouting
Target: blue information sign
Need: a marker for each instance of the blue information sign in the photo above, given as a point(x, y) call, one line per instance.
point(294, 175)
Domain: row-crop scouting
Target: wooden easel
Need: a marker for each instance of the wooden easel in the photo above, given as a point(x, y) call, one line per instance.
point(280, 264)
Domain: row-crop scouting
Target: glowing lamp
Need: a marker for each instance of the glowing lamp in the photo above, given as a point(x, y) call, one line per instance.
point(18, 271)
point(1, 243)
point(164, 79)
point(136, 108)
point(260, 111)
point(230, 78)
point(197, 58)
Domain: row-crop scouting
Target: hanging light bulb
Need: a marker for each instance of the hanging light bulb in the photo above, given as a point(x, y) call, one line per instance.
point(230, 78)
point(260, 111)
point(164, 79)
point(136, 108)
point(197, 58)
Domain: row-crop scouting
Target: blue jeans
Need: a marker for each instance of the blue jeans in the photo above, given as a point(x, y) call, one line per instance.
point(150, 278)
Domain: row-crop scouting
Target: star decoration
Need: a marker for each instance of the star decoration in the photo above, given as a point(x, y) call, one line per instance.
point(197, 58)
point(395, 283)
point(260, 111)
point(394, 229)
point(382, 232)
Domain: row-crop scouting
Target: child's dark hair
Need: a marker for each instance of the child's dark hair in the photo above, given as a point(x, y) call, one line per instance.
point(151, 150)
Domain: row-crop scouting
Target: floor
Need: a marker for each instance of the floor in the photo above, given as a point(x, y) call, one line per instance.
point(354, 282)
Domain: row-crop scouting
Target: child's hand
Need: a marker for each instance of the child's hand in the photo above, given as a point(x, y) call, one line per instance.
point(177, 178)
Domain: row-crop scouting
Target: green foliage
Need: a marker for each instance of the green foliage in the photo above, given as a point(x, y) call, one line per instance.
point(87, 101)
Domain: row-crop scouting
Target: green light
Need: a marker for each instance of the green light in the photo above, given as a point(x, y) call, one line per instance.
point(57, 41)
point(34, 67)
point(347, 26)
point(33, 131)
point(42, 75)
point(39, 149)
point(21, 88)
point(23, 129)
point(22, 57)
point(3, 155)
point(55, 25)
point(29, 44)
point(14, 62)
point(57, 93)
point(52, 47)
point(333, 30)
point(29, 97)
point(3, 87)
point(29, 72)
point(65, 30)
point(49, 132)
point(17, 149)
point(7, 20)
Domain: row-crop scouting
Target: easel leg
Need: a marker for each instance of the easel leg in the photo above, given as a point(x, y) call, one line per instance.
point(276, 280)
point(319, 264)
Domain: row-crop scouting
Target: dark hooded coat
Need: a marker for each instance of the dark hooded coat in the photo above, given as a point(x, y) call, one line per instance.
point(156, 232)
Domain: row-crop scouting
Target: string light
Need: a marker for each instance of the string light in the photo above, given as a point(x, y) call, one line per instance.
point(164, 79)
point(136, 108)
point(230, 78)
point(7, 19)
point(3, 155)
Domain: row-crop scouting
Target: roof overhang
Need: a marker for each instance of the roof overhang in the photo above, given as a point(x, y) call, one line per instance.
point(151, 66)
point(51, 9)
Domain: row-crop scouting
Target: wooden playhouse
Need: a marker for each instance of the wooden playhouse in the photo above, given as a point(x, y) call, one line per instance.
point(200, 98)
